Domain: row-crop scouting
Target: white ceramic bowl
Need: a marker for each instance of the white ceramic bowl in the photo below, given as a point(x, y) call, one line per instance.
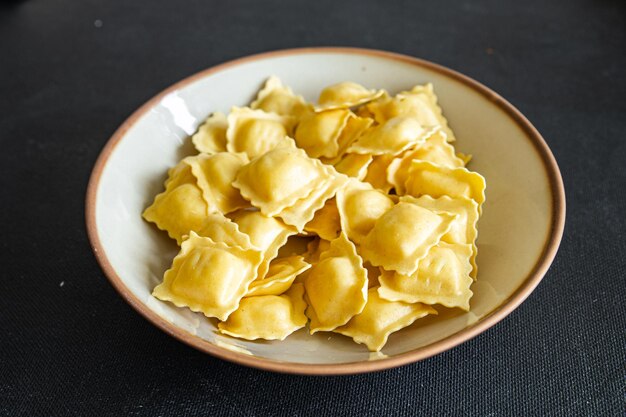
point(519, 232)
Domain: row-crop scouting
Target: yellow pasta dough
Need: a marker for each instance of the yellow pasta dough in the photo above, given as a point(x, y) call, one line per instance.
point(443, 277)
point(435, 149)
point(281, 274)
point(403, 235)
point(380, 318)
point(354, 165)
point(326, 222)
point(346, 94)
point(215, 174)
point(255, 132)
point(270, 317)
point(279, 178)
point(354, 215)
point(266, 233)
point(354, 128)
point(280, 99)
point(304, 209)
point(318, 133)
point(336, 286)
point(391, 137)
point(437, 181)
point(219, 228)
point(420, 103)
point(377, 172)
point(360, 206)
point(209, 277)
point(211, 135)
point(463, 229)
point(178, 211)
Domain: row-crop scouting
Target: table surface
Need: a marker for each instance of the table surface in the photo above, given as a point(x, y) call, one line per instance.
point(72, 71)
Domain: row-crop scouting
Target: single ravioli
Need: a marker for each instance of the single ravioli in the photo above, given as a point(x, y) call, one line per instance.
point(254, 132)
point(380, 318)
point(463, 229)
point(404, 235)
point(270, 317)
point(435, 149)
point(281, 274)
point(360, 206)
point(345, 95)
point(437, 181)
point(209, 277)
point(215, 175)
point(354, 165)
point(325, 222)
point(277, 98)
point(266, 233)
point(279, 178)
point(178, 210)
point(318, 133)
point(336, 286)
point(391, 137)
point(443, 277)
point(211, 135)
point(419, 103)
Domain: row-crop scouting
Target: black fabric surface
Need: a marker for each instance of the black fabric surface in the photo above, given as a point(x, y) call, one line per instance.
point(72, 71)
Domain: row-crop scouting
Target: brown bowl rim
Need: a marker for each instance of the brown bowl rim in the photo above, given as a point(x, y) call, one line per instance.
point(504, 309)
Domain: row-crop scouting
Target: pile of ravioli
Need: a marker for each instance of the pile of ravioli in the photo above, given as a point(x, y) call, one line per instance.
point(371, 182)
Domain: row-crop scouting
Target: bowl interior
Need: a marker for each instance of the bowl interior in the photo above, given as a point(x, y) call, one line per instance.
point(513, 230)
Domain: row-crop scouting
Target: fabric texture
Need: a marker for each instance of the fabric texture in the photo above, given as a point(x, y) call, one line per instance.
point(72, 71)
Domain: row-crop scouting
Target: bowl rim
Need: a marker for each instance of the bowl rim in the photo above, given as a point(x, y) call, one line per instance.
point(505, 308)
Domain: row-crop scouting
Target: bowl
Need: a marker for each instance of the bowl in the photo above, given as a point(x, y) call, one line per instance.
point(519, 232)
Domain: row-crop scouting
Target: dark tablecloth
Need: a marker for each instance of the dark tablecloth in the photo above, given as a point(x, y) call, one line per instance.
point(70, 73)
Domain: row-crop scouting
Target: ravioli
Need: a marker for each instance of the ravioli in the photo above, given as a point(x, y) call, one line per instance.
point(463, 229)
point(318, 133)
point(403, 235)
point(211, 135)
point(215, 174)
point(354, 165)
point(326, 222)
point(355, 127)
point(209, 277)
point(438, 181)
point(419, 103)
point(281, 274)
point(377, 172)
point(355, 215)
point(279, 178)
point(380, 318)
point(266, 233)
point(280, 99)
point(269, 317)
point(435, 149)
point(336, 286)
point(178, 211)
point(254, 132)
point(345, 95)
point(219, 228)
point(360, 206)
point(303, 210)
point(391, 137)
point(443, 277)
